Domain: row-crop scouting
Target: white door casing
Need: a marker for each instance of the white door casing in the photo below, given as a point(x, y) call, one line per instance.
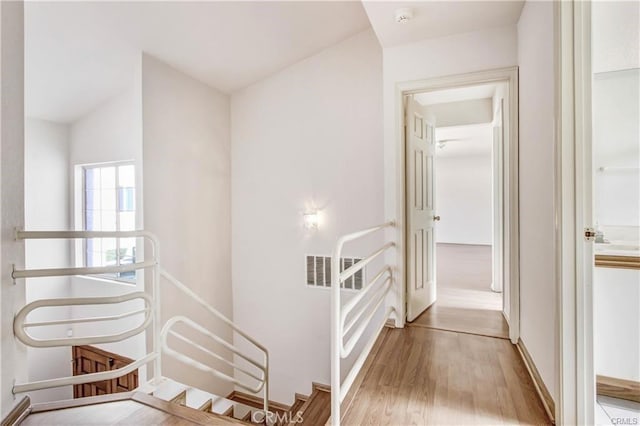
point(420, 209)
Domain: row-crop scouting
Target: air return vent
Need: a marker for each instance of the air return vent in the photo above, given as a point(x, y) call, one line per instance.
point(319, 272)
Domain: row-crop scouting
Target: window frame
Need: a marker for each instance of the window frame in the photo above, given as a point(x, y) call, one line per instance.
point(83, 213)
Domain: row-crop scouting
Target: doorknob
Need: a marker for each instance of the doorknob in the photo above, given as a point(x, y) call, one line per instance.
point(436, 218)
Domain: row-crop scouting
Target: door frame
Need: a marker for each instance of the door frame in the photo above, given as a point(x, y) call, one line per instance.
point(573, 175)
point(511, 221)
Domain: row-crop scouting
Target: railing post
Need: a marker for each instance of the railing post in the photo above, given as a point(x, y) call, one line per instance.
point(336, 335)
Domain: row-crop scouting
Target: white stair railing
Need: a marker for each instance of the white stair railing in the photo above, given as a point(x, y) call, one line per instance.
point(367, 301)
point(150, 318)
point(262, 367)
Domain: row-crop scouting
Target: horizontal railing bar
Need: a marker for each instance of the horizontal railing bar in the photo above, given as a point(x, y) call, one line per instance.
point(206, 332)
point(358, 314)
point(348, 307)
point(359, 362)
point(193, 363)
point(24, 337)
point(90, 270)
point(214, 355)
point(84, 320)
point(83, 378)
point(345, 350)
point(51, 235)
point(212, 310)
point(344, 275)
point(362, 233)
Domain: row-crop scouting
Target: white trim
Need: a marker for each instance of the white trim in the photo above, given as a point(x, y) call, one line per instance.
point(510, 167)
point(576, 375)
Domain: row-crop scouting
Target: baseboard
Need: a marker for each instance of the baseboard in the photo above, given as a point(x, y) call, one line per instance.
point(541, 389)
point(618, 388)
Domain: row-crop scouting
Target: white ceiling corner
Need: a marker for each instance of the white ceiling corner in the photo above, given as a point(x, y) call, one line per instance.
point(78, 54)
point(433, 19)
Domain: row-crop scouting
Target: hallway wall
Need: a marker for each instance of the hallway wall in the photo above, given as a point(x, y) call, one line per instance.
point(308, 136)
point(537, 225)
point(464, 199)
point(187, 200)
point(12, 296)
point(46, 190)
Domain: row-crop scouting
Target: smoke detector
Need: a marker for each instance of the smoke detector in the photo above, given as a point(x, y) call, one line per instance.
point(404, 15)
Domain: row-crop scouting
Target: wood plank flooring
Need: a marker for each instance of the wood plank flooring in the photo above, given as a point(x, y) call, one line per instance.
point(431, 377)
point(140, 410)
point(465, 301)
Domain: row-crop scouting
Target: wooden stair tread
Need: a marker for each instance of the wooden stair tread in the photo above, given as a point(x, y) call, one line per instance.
point(180, 399)
point(207, 406)
point(228, 412)
point(298, 403)
point(256, 402)
point(317, 409)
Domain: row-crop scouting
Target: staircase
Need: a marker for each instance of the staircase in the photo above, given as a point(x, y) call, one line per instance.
point(243, 408)
point(174, 336)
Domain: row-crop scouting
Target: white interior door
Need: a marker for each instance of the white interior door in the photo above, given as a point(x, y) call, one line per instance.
point(420, 210)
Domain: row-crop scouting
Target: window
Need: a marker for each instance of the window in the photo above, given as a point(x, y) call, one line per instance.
point(109, 205)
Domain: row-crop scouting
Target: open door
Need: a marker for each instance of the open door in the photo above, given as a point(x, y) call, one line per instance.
point(420, 210)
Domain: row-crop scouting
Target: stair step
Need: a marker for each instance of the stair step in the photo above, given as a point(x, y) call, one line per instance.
point(206, 406)
point(298, 403)
point(317, 409)
point(168, 390)
point(180, 399)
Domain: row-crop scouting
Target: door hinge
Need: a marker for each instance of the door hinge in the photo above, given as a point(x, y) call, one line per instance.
point(589, 234)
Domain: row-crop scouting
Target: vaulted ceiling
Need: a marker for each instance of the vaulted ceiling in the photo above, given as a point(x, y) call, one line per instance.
point(80, 53)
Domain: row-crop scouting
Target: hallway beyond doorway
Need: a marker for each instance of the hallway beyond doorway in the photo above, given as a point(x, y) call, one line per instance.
point(465, 301)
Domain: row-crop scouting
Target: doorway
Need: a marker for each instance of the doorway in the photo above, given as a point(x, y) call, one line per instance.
point(461, 287)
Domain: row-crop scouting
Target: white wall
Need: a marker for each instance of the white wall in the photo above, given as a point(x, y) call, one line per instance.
point(308, 136)
point(47, 208)
point(110, 133)
point(616, 143)
point(616, 296)
point(615, 35)
point(187, 196)
point(537, 278)
point(12, 355)
point(463, 190)
point(462, 113)
point(457, 54)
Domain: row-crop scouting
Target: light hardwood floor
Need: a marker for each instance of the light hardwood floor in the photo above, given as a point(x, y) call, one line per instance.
point(465, 302)
point(423, 376)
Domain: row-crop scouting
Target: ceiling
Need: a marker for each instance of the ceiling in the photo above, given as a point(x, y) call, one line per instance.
point(462, 141)
point(457, 94)
point(79, 54)
point(438, 18)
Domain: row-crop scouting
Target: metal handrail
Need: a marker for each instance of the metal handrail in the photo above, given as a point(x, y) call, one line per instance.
point(151, 313)
point(84, 378)
point(182, 287)
point(369, 300)
point(166, 330)
point(19, 325)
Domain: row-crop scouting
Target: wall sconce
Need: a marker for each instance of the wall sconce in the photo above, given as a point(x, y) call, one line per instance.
point(311, 220)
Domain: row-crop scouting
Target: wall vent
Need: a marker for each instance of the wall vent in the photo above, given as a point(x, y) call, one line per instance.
point(319, 272)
